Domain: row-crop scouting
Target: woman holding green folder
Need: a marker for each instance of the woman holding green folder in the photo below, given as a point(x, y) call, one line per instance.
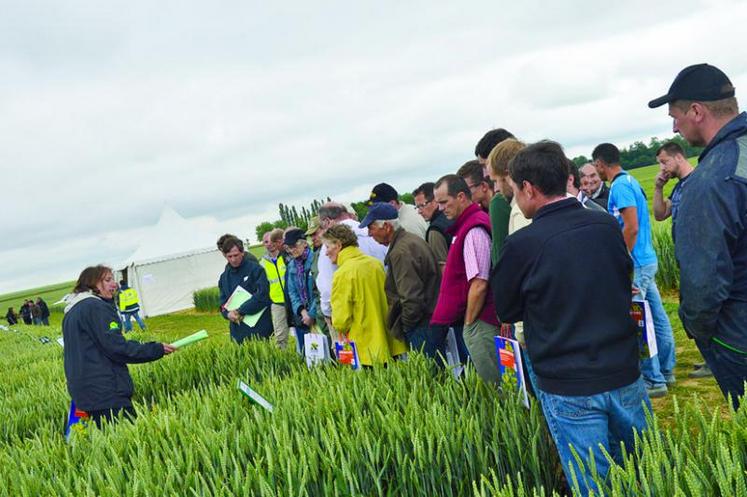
point(96, 352)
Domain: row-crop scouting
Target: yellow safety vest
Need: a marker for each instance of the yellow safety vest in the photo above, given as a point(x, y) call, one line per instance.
point(127, 298)
point(276, 276)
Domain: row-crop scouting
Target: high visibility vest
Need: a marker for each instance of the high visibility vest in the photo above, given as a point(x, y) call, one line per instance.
point(275, 271)
point(128, 299)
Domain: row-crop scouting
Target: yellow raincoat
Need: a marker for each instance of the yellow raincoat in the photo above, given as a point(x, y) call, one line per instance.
point(359, 306)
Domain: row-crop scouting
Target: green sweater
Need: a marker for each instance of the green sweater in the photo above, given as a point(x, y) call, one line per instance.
point(500, 211)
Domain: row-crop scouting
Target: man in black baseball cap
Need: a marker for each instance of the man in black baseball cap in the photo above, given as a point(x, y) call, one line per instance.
point(409, 218)
point(701, 101)
point(700, 82)
point(710, 234)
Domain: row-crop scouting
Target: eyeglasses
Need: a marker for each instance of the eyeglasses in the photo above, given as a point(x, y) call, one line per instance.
point(422, 206)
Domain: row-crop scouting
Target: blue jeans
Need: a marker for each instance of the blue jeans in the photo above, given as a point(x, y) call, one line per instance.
point(586, 422)
point(728, 367)
point(128, 324)
point(430, 340)
point(529, 370)
point(657, 369)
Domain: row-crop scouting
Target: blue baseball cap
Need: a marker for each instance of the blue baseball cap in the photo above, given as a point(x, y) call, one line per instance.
point(379, 211)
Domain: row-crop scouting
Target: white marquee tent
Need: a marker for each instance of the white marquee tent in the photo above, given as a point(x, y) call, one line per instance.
point(175, 259)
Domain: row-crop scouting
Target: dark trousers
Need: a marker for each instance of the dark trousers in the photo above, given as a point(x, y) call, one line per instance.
point(112, 415)
point(430, 340)
point(729, 368)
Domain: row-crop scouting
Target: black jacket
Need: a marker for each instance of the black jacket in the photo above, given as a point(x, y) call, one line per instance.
point(44, 309)
point(12, 317)
point(96, 354)
point(603, 197)
point(576, 310)
point(253, 279)
point(439, 222)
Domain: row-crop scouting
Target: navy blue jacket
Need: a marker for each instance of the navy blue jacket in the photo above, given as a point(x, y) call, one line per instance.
point(578, 330)
point(711, 241)
point(96, 354)
point(253, 279)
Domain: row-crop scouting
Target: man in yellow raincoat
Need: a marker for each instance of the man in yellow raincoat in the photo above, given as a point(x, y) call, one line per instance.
point(359, 305)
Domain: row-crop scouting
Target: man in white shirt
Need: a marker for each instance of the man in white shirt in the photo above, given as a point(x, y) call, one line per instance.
point(409, 219)
point(332, 213)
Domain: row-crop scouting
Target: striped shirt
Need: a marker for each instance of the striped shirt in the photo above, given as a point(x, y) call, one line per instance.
point(477, 254)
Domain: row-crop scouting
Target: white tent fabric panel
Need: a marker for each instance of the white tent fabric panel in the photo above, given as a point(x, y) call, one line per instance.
point(167, 285)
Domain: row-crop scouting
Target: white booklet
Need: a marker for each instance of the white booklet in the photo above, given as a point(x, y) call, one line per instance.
point(254, 396)
point(452, 354)
point(640, 311)
point(237, 298)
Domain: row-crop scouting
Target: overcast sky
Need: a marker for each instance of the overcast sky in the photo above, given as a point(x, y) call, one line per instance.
point(111, 110)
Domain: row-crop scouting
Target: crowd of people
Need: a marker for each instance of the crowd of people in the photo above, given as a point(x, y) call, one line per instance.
point(31, 312)
point(520, 243)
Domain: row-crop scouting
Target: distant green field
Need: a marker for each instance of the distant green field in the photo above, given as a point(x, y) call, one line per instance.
point(53, 293)
point(50, 294)
point(257, 250)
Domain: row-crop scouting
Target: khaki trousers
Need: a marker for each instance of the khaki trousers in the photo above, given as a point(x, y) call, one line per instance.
point(480, 341)
point(279, 325)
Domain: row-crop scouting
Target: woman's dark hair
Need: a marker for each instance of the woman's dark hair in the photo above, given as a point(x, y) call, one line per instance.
point(227, 242)
point(90, 277)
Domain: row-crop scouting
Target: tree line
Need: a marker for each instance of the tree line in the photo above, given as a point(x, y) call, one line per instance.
point(639, 154)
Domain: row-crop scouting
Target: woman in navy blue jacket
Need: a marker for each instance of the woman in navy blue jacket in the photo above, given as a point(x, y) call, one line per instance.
point(96, 352)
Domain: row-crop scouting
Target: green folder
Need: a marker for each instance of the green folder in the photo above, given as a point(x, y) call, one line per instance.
point(194, 337)
point(237, 298)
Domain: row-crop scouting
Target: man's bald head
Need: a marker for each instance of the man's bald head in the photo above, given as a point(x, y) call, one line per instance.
point(590, 180)
point(331, 213)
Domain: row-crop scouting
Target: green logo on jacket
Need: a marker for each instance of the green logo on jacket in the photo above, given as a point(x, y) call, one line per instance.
point(113, 326)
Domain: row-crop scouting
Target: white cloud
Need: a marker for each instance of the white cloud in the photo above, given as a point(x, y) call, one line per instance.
point(109, 112)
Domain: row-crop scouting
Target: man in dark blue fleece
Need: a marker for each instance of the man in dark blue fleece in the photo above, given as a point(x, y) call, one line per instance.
point(579, 334)
point(243, 270)
point(710, 239)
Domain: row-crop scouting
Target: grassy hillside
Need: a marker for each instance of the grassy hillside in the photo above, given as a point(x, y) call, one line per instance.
point(50, 294)
point(53, 293)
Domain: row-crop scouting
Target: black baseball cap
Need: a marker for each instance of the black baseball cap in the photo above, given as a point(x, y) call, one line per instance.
point(701, 83)
point(383, 192)
point(293, 236)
